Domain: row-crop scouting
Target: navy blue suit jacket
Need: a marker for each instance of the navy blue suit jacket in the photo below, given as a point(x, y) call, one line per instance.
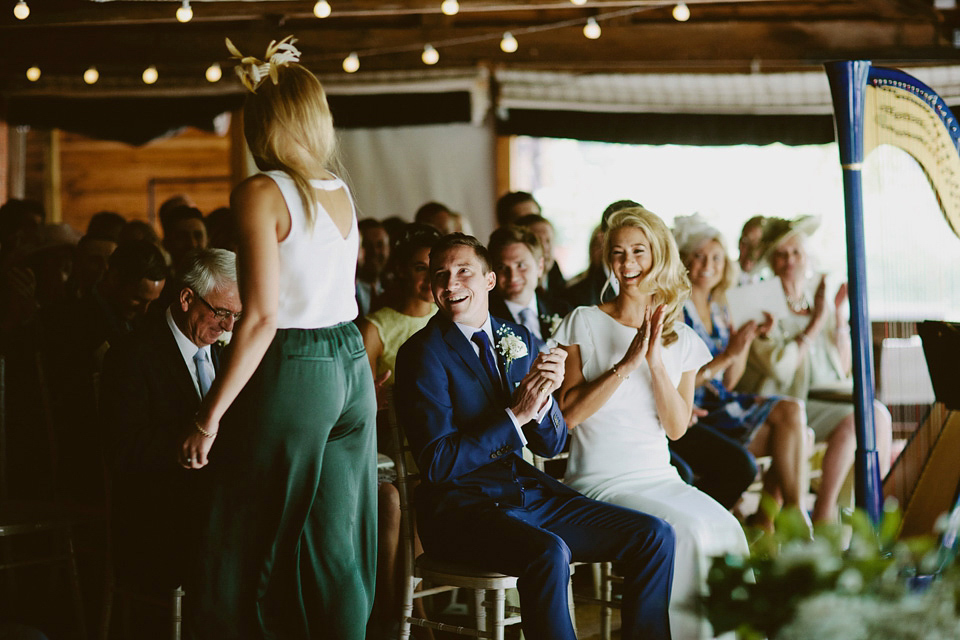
point(465, 444)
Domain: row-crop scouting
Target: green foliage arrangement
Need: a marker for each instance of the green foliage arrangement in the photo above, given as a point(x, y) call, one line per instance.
point(798, 586)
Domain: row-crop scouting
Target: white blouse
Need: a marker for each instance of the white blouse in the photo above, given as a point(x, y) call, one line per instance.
point(317, 266)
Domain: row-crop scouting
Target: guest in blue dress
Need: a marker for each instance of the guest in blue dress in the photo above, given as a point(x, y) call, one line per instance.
point(774, 425)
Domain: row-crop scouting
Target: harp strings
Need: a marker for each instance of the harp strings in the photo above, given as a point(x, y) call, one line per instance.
point(910, 182)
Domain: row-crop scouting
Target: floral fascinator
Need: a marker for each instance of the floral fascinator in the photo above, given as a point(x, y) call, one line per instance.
point(692, 231)
point(252, 72)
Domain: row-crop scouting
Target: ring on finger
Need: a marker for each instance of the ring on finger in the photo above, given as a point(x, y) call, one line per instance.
point(543, 388)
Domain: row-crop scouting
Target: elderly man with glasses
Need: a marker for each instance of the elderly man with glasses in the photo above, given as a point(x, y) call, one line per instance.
point(152, 385)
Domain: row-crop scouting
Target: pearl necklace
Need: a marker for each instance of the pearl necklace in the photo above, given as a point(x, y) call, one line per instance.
point(798, 304)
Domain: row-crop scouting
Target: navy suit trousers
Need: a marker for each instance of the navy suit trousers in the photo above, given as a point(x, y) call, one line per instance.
point(537, 542)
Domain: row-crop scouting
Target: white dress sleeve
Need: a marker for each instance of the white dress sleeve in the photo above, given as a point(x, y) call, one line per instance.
point(694, 353)
point(575, 329)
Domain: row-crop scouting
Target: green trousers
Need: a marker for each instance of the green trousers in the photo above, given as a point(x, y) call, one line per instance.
point(291, 544)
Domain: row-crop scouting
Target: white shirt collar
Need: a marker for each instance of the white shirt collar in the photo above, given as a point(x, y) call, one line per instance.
point(468, 332)
point(187, 348)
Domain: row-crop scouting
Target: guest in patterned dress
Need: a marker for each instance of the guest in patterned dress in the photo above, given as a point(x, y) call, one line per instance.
point(766, 425)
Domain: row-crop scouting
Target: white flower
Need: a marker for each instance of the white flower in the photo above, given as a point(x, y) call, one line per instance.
point(552, 321)
point(510, 346)
point(225, 338)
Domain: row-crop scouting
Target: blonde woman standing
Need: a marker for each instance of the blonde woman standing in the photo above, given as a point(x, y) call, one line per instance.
point(628, 387)
point(288, 427)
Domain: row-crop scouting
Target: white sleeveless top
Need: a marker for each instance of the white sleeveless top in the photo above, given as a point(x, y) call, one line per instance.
point(316, 283)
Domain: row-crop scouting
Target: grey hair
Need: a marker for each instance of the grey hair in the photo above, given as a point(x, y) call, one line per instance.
point(206, 270)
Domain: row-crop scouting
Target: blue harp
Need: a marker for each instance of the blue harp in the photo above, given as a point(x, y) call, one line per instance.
point(875, 106)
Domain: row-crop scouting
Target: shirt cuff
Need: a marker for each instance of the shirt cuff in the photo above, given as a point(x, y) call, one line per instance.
point(517, 426)
point(540, 416)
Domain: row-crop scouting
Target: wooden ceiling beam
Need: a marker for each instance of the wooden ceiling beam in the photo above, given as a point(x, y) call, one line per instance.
point(381, 48)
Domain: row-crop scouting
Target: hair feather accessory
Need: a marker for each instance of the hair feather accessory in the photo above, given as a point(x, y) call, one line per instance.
point(252, 72)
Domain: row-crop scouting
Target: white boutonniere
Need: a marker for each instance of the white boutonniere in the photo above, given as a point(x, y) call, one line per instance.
point(510, 346)
point(552, 321)
point(224, 338)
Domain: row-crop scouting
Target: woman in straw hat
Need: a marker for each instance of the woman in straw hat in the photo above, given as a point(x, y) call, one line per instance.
point(810, 349)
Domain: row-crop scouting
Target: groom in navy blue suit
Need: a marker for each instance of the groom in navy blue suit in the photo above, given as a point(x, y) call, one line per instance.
point(471, 392)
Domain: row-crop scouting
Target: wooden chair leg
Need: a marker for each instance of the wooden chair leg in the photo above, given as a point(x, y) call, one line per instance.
point(595, 571)
point(480, 610)
point(570, 606)
point(176, 613)
point(406, 610)
point(75, 585)
point(107, 613)
point(499, 613)
point(606, 612)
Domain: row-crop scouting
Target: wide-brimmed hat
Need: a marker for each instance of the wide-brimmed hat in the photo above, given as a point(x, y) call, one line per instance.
point(692, 231)
point(776, 230)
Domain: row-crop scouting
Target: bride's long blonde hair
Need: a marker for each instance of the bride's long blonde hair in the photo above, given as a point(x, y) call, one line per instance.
point(667, 279)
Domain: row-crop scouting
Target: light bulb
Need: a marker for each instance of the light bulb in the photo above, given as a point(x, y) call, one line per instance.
point(351, 63)
point(91, 75)
point(33, 74)
point(591, 29)
point(430, 55)
point(150, 75)
point(450, 7)
point(185, 13)
point(579, 3)
point(508, 44)
point(681, 12)
point(322, 9)
point(21, 10)
point(214, 72)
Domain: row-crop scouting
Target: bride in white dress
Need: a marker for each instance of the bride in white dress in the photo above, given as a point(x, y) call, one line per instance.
point(628, 386)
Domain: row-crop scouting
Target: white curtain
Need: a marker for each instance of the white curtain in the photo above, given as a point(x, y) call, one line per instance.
point(392, 171)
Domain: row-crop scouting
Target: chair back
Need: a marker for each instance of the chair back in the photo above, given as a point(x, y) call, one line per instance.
point(406, 481)
point(3, 428)
point(541, 464)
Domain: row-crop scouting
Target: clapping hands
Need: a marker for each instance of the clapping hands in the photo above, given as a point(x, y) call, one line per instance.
point(545, 377)
point(646, 345)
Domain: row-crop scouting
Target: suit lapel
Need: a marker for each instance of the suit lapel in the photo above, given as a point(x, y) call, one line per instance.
point(459, 344)
point(509, 373)
point(172, 361)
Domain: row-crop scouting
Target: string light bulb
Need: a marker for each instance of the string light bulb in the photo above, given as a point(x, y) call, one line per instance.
point(33, 73)
point(91, 75)
point(450, 7)
point(579, 3)
point(214, 73)
point(508, 44)
point(430, 55)
point(681, 12)
point(150, 75)
point(351, 64)
point(322, 9)
point(184, 12)
point(21, 10)
point(591, 30)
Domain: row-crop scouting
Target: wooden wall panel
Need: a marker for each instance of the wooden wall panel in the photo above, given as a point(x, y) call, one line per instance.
point(99, 175)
